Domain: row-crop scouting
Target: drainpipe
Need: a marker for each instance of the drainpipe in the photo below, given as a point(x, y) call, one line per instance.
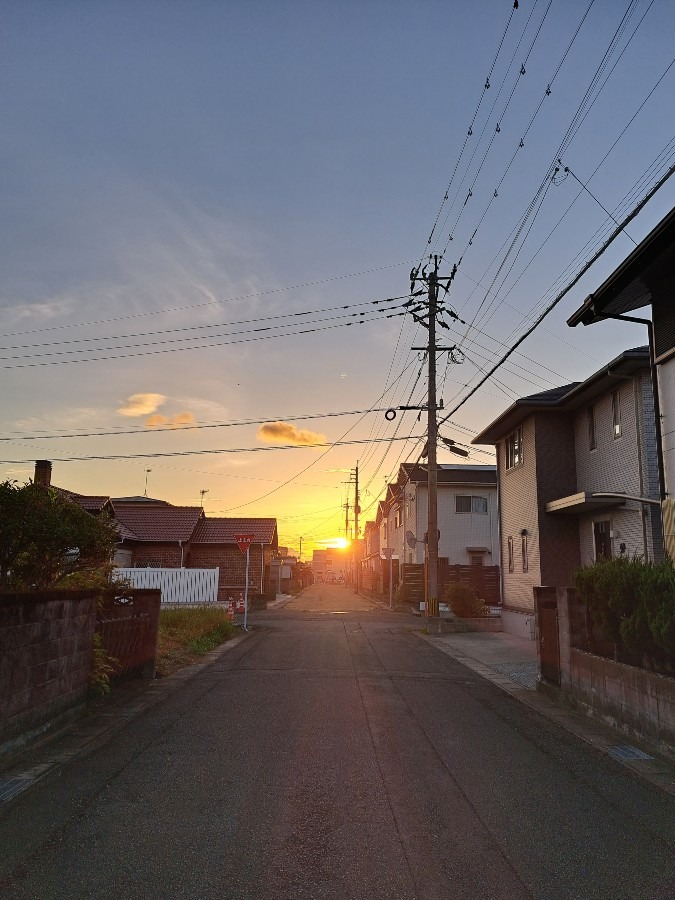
point(640, 468)
point(180, 544)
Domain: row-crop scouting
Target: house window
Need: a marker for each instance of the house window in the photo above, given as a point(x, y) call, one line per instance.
point(470, 504)
point(479, 505)
point(398, 517)
point(476, 559)
point(510, 546)
point(616, 414)
point(523, 550)
point(602, 539)
point(592, 442)
point(514, 448)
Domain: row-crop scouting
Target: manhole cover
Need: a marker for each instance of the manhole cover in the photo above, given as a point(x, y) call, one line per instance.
point(625, 751)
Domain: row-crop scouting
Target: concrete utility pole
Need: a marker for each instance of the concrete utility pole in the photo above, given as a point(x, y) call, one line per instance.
point(357, 510)
point(431, 313)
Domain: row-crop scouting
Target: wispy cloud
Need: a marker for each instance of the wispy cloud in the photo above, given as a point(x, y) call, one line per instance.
point(285, 433)
point(141, 404)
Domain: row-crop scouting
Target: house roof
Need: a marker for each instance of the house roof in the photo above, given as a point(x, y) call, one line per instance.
point(150, 501)
point(93, 503)
point(449, 473)
point(568, 397)
point(222, 531)
point(645, 274)
point(158, 523)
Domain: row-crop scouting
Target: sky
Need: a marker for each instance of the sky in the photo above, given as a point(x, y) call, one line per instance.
point(209, 213)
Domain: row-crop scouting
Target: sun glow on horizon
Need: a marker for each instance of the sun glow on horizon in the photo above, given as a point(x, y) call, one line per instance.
point(339, 543)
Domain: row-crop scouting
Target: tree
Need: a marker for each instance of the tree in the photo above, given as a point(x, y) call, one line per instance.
point(45, 537)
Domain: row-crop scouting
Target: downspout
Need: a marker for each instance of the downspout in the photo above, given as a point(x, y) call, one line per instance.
point(180, 544)
point(640, 471)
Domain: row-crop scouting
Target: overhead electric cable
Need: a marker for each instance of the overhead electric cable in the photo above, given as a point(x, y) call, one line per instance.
point(629, 218)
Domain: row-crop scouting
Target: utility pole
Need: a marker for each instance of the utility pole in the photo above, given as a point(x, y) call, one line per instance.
point(357, 510)
point(429, 314)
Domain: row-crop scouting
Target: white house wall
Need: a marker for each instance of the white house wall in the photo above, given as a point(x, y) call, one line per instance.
point(458, 530)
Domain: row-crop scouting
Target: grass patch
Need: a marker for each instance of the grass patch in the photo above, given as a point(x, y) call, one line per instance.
point(187, 634)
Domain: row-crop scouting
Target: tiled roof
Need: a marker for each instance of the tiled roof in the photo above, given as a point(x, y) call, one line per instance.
point(158, 523)
point(90, 502)
point(222, 531)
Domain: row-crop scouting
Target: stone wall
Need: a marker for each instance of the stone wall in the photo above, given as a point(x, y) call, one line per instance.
point(45, 660)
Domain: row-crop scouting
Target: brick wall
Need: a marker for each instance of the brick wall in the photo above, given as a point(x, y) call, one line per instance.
point(231, 564)
point(45, 660)
point(166, 556)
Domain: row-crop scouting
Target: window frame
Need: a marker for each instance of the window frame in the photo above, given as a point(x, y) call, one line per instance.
point(513, 449)
point(616, 414)
point(592, 433)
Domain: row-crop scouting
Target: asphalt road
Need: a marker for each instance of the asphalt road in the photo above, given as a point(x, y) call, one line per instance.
point(334, 754)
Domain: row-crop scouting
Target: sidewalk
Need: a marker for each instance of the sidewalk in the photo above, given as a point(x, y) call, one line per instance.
point(511, 664)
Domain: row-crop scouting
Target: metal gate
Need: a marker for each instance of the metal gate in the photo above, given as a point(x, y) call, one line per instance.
point(549, 645)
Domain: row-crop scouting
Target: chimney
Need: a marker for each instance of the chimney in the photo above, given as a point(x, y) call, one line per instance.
point(43, 472)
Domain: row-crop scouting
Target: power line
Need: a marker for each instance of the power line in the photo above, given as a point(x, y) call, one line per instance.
point(200, 347)
point(118, 337)
point(629, 218)
point(211, 303)
point(175, 453)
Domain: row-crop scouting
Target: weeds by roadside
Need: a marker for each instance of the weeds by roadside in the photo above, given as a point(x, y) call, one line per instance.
point(185, 634)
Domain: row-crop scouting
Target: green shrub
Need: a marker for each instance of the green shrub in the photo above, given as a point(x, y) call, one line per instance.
point(633, 604)
point(464, 601)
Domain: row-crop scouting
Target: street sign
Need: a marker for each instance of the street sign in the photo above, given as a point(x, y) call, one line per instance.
point(244, 541)
point(387, 552)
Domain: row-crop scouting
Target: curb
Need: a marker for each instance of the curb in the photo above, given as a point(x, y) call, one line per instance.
point(658, 771)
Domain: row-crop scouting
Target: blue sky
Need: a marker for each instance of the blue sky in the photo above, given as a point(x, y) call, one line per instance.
point(172, 165)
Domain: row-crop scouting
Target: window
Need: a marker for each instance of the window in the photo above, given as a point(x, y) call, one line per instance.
point(616, 414)
point(398, 517)
point(479, 505)
point(592, 442)
point(523, 550)
point(476, 559)
point(470, 504)
point(510, 544)
point(514, 448)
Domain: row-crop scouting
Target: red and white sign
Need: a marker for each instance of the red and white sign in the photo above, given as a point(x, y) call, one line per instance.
point(244, 541)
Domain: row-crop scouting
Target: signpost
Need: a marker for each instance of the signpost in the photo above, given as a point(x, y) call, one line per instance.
point(244, 542)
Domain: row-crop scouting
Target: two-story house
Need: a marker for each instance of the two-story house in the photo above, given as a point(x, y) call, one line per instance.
point(467, 517)
point(646, 278)
point(578, 480)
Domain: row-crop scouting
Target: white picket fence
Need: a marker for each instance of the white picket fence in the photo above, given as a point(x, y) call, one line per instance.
point(177, 585)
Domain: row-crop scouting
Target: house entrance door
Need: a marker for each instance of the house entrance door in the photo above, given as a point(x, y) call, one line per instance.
point(602, 539)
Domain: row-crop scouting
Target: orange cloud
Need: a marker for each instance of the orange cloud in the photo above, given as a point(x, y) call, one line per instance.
point(184, 418)
point(285, 433)
point(141, 404)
